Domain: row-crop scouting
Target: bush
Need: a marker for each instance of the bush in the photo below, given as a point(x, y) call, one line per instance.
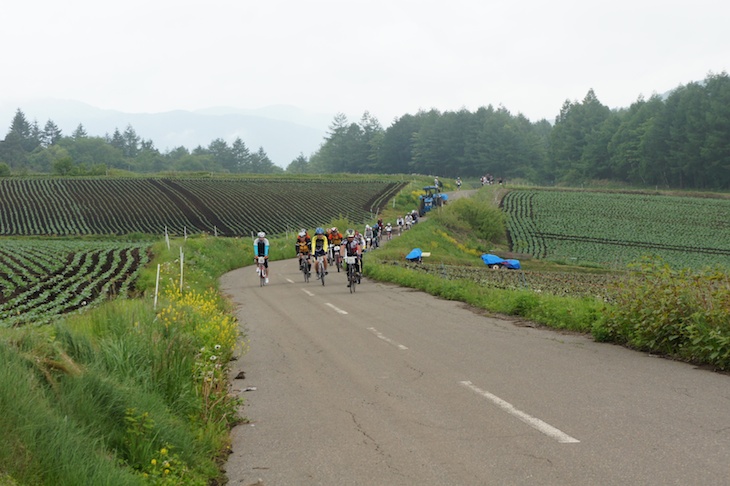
point(678, 313)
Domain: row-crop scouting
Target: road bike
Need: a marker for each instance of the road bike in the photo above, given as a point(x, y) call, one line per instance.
point(352, 277)
point(337, 258)
point(304, 267)
point(320, 268)
point(261, 270)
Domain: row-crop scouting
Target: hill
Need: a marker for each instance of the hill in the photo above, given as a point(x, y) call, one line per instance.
point(283, 131)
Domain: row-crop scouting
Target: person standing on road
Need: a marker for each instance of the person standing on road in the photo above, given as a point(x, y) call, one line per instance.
point(458, 183)
point(261, 249)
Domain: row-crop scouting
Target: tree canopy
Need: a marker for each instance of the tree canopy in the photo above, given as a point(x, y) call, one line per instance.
point(681, 140)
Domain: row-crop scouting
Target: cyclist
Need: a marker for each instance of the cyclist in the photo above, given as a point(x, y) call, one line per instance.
point(458, 183)
point(351, 247)
point(320, 247)
point(261, 249)
point(376, 235)
point(304, 246)
point(368, 237)
point(389, 231)
point(335, 239)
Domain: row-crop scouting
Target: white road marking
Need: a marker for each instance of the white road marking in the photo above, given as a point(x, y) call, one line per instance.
point(308, 292)
point(386, 339)
point(290, 280)
point(538, 424)
point(338, 310)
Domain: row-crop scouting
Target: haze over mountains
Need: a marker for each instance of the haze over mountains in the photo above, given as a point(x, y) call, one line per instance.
point(284, 132)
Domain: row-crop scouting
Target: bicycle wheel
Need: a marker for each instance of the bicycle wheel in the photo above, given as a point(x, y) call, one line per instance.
point(305, 270)
point(262, 276)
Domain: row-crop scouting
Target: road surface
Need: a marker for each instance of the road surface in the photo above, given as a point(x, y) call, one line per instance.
point(390, 386)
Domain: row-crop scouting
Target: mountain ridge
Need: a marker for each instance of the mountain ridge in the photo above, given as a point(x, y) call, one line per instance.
point(283, 131)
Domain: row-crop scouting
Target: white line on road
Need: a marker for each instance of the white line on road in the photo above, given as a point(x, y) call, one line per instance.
point(546, 429)
point(338, 310)
point(290, 280)
point(387, 340)
point(308, 292)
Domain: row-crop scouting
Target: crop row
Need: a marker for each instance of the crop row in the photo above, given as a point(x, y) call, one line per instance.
point(616, 228)
point(231, 207)
point(556, 283)
point(41, 279)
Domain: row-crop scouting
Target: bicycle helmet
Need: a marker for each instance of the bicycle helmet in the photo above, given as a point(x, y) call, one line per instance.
point(302, 233)
point(262, 234)
point(350, 233)
point(319, 231)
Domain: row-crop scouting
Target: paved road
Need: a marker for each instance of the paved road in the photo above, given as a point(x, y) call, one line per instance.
point(390, 386)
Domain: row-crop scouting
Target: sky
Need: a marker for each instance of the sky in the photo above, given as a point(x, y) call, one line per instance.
point(385, 57)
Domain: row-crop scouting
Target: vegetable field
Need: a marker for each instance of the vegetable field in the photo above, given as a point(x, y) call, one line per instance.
point(229, 207)
point(615, 229)
point(41, 279)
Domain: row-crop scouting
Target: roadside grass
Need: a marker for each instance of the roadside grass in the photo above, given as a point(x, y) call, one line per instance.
point(129, 393)
point(682, 314)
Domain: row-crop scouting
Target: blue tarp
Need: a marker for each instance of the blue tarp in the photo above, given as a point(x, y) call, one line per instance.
point(512, 264)
point(490, 259)
point(415, 254)
point(444, 197)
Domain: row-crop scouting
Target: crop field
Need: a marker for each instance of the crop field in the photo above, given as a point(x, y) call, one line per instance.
point(556, 283)
point(41, 279)
point(228, 207)
point(615, 229)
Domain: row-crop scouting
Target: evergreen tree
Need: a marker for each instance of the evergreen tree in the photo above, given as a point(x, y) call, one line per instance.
point(51, 134)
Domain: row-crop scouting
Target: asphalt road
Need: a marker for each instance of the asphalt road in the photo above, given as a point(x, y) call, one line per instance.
point(390, 386)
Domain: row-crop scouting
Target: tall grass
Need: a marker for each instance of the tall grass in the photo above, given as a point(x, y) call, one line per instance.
point(128, 393)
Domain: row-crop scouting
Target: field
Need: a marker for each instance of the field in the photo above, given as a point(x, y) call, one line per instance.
point(41, 279)
point(228, 207)
point(615, 229)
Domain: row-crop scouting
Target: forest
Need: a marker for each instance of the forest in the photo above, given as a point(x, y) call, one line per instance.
point(678, 140)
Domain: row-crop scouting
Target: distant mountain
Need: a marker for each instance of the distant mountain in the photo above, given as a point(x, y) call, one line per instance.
point(283, 131)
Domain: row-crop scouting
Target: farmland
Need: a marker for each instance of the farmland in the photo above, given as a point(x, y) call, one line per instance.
point(41, 279)
point(229, 207)
point(615, 229)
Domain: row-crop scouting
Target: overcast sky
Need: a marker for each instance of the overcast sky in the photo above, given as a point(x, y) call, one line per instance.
point(388, 57)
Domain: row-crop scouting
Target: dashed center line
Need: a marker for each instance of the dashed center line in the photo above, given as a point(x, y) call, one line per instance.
point(536, 423)
point(337, 309)
point(308, 292)
point(386, 339)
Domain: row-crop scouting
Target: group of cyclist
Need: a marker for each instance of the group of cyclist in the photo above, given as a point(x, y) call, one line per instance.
point(324, 244)
point(325, 241)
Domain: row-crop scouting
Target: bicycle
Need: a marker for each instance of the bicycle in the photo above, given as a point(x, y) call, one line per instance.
point(320, 268)
point(304, 267)
point(261, 270)
point(352, 277)
point(337, 258)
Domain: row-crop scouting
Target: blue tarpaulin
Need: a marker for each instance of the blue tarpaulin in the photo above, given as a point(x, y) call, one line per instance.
point(414, 255)
point(490, 259)
point(512, 264)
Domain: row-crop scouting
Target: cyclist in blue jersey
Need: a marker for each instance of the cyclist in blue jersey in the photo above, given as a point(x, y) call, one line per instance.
point(261, 249)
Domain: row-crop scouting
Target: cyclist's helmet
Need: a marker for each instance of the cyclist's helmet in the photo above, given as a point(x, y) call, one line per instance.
point(302, 233)
point(262, 234)
point(319, 231)
point(350, 233)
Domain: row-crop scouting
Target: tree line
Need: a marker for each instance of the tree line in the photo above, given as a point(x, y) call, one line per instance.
point(28, 149)
point(681, 140)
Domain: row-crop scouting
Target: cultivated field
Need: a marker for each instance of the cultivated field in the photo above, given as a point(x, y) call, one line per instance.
point(42, 278)
point(615, 229)
point(229, 207)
